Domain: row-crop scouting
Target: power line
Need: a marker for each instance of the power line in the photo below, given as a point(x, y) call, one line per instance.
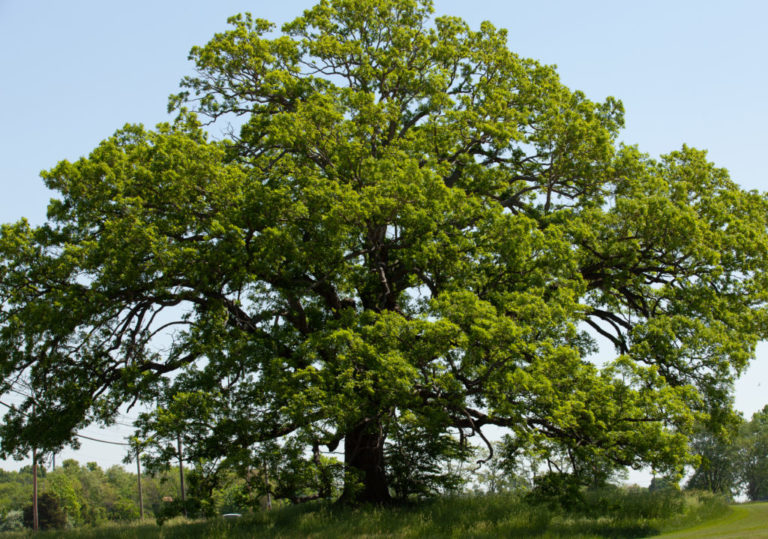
point(20, 392)
point(116, 422)
point(126, 417)
point(83, 436)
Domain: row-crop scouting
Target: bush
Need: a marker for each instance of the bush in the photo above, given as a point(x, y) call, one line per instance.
point(12, 521)
point(565, 492)
point(556, 490)
point(190, 508)
point(50, 513)
point(123, 510)
point(633, 502)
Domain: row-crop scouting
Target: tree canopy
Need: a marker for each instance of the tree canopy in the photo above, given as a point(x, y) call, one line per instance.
point(753, 447)
point(733, 460)
point(412, 233)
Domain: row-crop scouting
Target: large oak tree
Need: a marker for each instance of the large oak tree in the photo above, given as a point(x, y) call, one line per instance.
point(411, 229)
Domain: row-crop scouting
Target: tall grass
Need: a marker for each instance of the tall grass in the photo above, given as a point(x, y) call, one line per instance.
point(614, 512)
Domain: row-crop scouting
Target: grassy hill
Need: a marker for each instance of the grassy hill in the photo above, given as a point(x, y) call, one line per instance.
point(747, 521)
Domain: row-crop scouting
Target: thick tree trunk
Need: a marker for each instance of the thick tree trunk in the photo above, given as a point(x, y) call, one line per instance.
point(364, 457)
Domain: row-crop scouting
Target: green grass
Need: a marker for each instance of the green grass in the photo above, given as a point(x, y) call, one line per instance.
point(743, 521)
point(477, 516)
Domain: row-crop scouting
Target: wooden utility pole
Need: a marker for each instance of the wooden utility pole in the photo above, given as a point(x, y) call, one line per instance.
point(34, 489)
point(266, 484)
point(35, 521)
point(181, 475)
point(138, 475)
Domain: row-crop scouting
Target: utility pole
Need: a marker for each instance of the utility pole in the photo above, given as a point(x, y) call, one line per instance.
point(181, 475)
point(34, 489)
point(138, 475)
point(35, 520)
point(266, 484)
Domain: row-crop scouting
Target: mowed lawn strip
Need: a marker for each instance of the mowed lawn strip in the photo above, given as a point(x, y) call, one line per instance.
point(748, 521)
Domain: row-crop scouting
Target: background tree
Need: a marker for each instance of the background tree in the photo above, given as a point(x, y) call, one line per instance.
point(410, 222)
point(733, 459)
point(124, 486)
point(720, 468)
point(419, 460)
point(65, 486)
point(14, 489)
point(50, 513)
point(754, 456)
point(511, 468)
point(90, 496)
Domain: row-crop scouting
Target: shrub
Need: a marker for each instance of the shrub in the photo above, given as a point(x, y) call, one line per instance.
point(633, 502)
point(50, 513)
point(12, 521)
point(557, 490)
point(123, 510)
point(190, 508)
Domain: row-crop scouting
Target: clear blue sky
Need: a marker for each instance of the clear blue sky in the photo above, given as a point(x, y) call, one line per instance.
point(694, 72)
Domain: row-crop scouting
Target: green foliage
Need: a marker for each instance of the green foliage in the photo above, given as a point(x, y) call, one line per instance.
point(50, 513)
point(287, 473)
point(466, 516)
point(89, 496)
point(664, 483)
point(623, 503)
point(558, 490)
point(122, 510)
point(733, 459)
point(189, 508)
point(12, 521)
point(419, 460)
point(408, 234)
point(15, 489)
point(721, 466)
point(701, 508)
point(482, 516)
point(754, 446)
point(513, 467)
point(235, 497)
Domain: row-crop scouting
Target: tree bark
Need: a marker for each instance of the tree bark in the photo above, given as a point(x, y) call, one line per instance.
point(364, 458)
